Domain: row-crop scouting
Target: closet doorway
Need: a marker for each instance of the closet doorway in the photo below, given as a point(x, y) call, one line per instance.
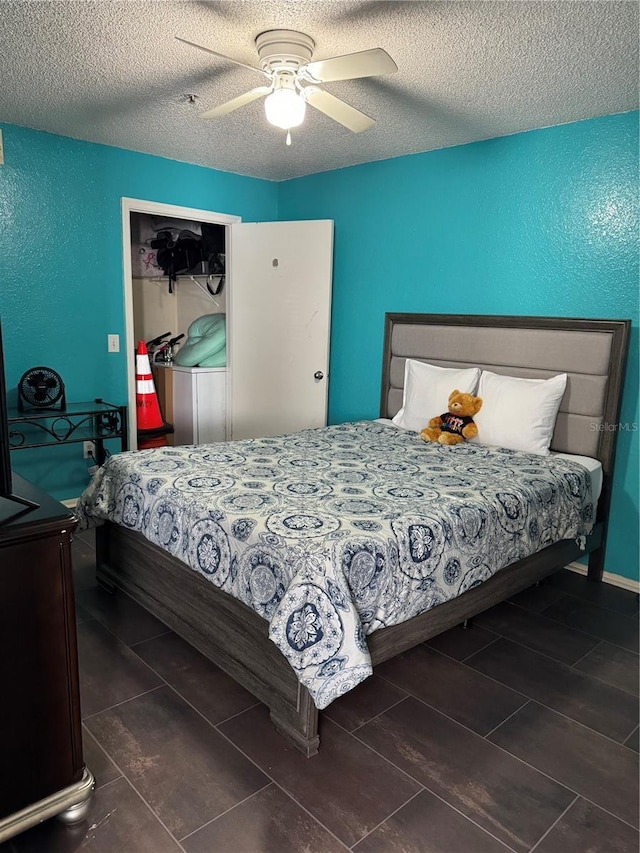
point(150, 309)
point(278, 307)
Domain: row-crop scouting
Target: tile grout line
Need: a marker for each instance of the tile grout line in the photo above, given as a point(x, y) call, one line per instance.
point(311, 815)
point(555, 823)
point(118, 704)
point(538, 701)
point(572, 666)
point(395, 811)
point(111, 781)
point(275, 782)
point(516, 757)
point(548, 657)
point(601, 680)
point(147, 639)
point(600, 641)
point(350, 732)
point(564, 594)
point(124, 775)
point(555, 660)
point(159, 686)
point(609, 684)
point(122, 642)
point(136, 791)
point(589, 633)
point(580, 659)
point(477, 651)
point(226, 719)
point(528, 699)
point(476, 672)
point(520, 642)
point(97, 619)
point(157, 817)
point(99, 746)
point(577, 722)
point(226, 811)
point(433, 793)
point(214, 726)
point(506, 719)
point(500, 636)
point(571, 720)
point(177, 692)
point(427, 645)
point(630, 736)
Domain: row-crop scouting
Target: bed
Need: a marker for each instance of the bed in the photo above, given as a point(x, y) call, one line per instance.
point(243, 642)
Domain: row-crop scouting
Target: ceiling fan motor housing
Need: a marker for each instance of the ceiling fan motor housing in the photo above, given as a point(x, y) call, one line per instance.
point(284, 50)
point(285, 59)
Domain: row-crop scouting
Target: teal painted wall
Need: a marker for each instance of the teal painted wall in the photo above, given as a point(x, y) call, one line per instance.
point(544, 222)
point(61, 263)
point(539, 223)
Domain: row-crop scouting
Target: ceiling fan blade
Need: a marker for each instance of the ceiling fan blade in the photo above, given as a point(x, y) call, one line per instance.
point(236, 103)
point(367, 63)
point(339, 110)
point(221, 56)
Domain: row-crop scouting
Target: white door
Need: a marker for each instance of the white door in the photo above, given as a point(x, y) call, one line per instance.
point(278, 324)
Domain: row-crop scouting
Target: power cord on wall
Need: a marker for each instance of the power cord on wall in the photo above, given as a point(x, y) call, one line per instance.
point(90, 455)
point(92, 468)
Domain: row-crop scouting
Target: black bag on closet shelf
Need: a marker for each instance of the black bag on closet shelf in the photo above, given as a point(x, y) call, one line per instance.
point(177, 257)
point(213, 254)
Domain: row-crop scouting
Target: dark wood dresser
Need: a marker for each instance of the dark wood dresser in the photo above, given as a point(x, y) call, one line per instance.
point(42, 770)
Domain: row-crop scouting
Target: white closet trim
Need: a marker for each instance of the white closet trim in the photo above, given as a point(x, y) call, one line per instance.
point(134, 205)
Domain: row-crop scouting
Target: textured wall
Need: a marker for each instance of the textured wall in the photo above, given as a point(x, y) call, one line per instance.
point(61, 263)
point(544, 222)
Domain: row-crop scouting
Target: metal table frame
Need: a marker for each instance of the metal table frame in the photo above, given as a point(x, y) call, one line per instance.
point(94, 421)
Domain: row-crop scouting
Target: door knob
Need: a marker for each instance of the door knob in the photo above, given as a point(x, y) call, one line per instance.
point(318, 375)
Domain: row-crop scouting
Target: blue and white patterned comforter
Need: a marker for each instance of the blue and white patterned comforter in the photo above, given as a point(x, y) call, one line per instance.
point(332, 533)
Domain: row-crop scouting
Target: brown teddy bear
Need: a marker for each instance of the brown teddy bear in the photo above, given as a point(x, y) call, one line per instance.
point(454, 426)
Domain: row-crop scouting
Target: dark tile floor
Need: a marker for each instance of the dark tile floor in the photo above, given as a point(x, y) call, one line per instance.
point(517, 734)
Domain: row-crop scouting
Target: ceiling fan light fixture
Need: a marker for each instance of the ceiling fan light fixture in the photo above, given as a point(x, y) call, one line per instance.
point(285, 59)
point(285, 108)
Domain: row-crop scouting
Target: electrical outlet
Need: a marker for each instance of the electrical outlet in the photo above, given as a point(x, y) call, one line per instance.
point(88, 450)
point(113, 343)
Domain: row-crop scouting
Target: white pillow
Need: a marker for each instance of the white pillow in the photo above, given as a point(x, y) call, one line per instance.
point(427, 389)
point(519, 414)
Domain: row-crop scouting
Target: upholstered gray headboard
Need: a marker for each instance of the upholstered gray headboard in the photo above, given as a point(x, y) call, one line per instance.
point(591, 352)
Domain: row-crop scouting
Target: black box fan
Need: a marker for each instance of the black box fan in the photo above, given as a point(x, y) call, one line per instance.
point(41, 388)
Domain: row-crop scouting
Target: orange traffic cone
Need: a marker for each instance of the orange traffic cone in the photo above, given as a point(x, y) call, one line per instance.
point(152, 430)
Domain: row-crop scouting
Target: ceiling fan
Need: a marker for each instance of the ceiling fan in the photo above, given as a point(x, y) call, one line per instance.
point(293, 80)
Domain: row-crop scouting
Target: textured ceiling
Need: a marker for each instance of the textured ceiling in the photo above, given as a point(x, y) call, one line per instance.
point(112, 72)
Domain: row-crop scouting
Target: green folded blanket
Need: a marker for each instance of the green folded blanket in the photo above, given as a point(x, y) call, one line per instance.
point(206, 344)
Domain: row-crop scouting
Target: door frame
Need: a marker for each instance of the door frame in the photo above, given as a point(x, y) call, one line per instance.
point(135, 205)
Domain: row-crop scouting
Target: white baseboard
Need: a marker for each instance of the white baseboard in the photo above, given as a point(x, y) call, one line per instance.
point(608, 577)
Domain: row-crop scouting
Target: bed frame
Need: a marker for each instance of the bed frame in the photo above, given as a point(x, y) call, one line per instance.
point(591, 352)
